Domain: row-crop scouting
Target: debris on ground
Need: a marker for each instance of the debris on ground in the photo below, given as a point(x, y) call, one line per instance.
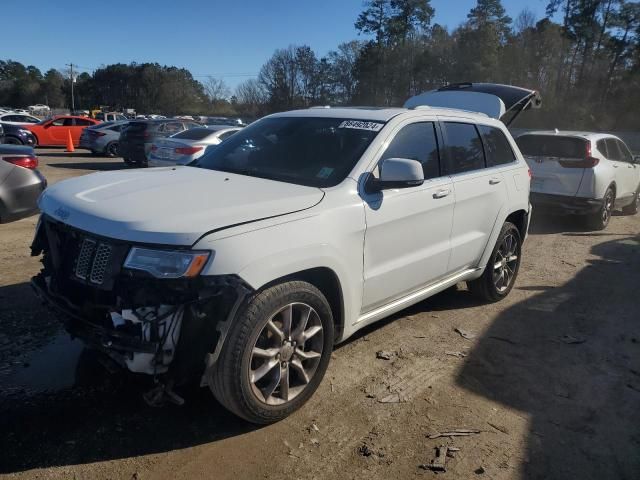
point(479, 471)
point(451, 451)
point(458, 432)
point(465, 333)
point(500, 428)
point(314, 428)
point(455, 354)
point(438, 464)
point(384, 355)
point(572, 339)
point(364, 450)
point(315, 442)
point(394, 397)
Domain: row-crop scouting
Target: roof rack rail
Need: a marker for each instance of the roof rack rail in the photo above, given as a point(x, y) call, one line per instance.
point(319, 107)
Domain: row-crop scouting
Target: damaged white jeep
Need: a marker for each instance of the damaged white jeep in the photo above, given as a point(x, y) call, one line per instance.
point(244, 269)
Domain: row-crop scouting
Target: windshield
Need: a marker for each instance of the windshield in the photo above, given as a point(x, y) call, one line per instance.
point(312, 151)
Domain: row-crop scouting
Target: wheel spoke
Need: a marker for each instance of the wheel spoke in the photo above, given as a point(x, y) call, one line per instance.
point(311, 332)
point(263, 369)
point(307, 355)
point(267, 391)
point(287, 316)
point(512, 258)
point(265, 353)
point(284, 382)
point(273, 328)
point(297, 334)
point(497, 265)
point(297, 366)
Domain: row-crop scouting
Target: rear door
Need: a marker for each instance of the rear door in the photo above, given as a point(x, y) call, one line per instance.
point(79, 124)
point(480, 192)
point(555, 162)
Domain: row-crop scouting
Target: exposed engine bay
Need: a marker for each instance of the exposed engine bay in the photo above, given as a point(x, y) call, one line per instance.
point(172, 329)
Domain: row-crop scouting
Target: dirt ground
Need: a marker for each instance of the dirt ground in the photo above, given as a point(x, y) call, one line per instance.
point(550, 381)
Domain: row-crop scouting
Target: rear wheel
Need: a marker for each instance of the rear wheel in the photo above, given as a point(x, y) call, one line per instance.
point(500, 273)
point(111, 149)
point(600, 219)
point(275, 354)
point(633, 207)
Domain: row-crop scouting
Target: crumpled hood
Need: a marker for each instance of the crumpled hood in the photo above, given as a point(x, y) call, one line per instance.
point(172, 205)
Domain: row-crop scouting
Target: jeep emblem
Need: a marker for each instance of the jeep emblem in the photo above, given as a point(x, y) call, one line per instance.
point(61, 213)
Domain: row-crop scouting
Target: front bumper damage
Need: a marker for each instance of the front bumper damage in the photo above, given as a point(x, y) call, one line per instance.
point(170, 329)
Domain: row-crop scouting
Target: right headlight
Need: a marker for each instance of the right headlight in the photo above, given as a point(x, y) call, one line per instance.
point(167, 263)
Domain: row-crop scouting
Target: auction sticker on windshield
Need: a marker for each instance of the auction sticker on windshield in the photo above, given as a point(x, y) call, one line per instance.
point(360, 125)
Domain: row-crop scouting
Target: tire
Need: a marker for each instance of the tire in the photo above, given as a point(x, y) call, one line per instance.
point(507, 253)
point(600, 219)
point(111, 150)
point(12, 141)
point(632, 208)
point(246, 379)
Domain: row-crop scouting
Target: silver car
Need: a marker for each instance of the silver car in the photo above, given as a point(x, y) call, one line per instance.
point(102, 139)
point(187, 146)
point(20, 182)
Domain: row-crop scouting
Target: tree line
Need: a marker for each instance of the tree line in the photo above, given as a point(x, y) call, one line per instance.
point(583, 56)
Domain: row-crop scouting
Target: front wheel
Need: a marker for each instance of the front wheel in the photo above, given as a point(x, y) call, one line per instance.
point(12, 141)
point(500, 273)
point(275, 354)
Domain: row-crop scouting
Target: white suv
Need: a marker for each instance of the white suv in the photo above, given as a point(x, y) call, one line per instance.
point(244, 270)
point(588, 174)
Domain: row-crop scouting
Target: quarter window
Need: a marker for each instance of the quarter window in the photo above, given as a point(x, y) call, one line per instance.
point(464, 147)
point(614, 150)
point(601, 145)
point(417, 142)
point(626, 154)
point(496, 146)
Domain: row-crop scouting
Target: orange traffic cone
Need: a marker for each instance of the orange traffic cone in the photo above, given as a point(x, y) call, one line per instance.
point(70, 142)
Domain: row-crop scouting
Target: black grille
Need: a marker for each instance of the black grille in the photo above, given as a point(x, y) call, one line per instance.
point(93, 261)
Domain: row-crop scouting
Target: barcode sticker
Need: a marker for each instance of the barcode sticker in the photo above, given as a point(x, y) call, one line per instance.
point(360, 125)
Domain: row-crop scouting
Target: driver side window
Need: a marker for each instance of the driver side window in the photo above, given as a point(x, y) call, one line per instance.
point(417, 141)
point(59, 122)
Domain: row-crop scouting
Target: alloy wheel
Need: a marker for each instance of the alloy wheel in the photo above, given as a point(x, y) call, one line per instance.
point(607, 207)
point(505, 263)
point(286, 354)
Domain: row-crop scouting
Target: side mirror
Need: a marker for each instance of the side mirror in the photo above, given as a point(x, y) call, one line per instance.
point(397, 173)
point(636, 159)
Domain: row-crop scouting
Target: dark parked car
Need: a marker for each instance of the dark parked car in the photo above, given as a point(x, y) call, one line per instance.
point(20, 182)
point(136, 139)
point(16, 135)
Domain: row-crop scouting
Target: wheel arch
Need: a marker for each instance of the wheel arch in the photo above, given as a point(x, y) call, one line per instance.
point(325, 280)
point(520, 219)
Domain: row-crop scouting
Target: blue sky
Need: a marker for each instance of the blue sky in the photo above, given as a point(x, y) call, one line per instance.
point(228, 39)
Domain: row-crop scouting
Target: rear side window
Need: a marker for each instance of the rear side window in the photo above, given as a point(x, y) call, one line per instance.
point(83, 123)
point(626, 153)
point(464, 147)
point(194, 134)
point(615, 153)
point(497, 149)
point(552, 146)
point(171, 128)
point(417, 142)
point(224, 135)
point(601, 145)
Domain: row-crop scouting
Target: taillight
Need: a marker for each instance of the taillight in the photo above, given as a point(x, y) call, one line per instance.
point(97, 134)
point(588, 162)
point(188, 150)
point(530, 173)
point(27, 161)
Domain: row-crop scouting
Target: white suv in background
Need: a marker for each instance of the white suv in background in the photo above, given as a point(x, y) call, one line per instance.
point(245, 269)
point(582, 173)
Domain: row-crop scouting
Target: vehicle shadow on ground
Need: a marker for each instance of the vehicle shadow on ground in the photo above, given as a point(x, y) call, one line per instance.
point(542, 223)
point(572, 365)
point(98, 166)
point(59, 405)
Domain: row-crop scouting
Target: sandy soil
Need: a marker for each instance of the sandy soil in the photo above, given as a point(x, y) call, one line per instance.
point(551, 381)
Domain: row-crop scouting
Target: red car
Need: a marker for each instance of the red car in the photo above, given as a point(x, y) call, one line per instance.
point(53, 132)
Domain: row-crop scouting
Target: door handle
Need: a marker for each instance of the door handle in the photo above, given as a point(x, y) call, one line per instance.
point(442, 193)
point(615, 166)
point(494, 181)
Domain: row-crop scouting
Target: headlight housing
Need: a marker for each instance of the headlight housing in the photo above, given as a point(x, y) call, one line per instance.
point(167, 263)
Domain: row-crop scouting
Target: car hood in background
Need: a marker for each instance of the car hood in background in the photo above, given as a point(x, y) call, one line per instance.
point(172, 205)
